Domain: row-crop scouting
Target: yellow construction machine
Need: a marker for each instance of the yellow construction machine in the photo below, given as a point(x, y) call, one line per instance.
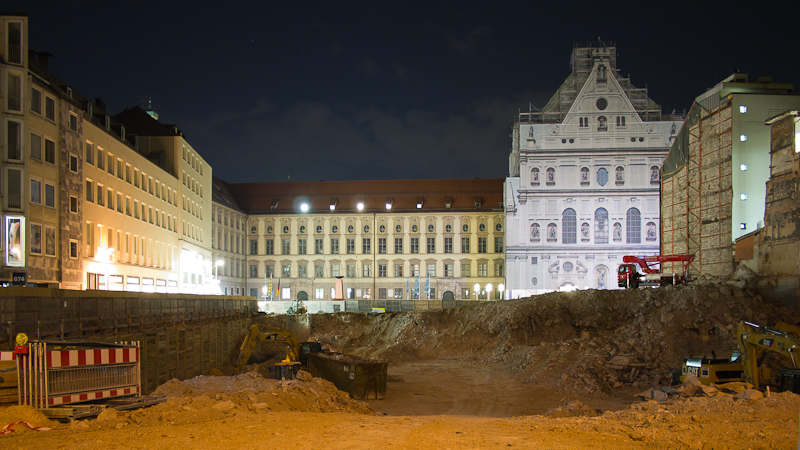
point(296, 352)
point(754, 341)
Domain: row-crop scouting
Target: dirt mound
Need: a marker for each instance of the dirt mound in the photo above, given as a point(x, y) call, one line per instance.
point(582, 340)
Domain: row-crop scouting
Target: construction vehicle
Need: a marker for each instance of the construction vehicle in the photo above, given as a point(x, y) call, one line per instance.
point(754, 341)
point(297, 307)
point(296, 352)
point(629, 277)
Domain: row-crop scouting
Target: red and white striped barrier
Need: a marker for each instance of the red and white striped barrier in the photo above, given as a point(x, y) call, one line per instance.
point(8, 356)
point(7, 429)
point(73, 358)
point(77, 398)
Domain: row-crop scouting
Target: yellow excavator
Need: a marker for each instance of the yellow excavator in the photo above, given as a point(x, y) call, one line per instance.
point(755, 341)
point(296, 352)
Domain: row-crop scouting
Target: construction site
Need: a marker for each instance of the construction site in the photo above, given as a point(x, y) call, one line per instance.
point(584, 369)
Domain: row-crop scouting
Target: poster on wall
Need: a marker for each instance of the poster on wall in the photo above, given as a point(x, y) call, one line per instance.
point(36, 239)
point(49, 241)
point(15, 241)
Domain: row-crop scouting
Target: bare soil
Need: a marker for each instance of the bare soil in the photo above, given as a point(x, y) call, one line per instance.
point(559, 371)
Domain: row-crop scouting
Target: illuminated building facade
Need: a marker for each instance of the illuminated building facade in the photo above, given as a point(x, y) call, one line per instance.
point(584, 176)
point(228, 241)
point(388, 240)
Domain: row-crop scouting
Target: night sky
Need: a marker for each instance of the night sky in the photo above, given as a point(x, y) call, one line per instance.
point(341, 90)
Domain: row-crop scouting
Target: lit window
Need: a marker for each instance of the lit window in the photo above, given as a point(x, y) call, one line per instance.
point(743, 196)
point(742, 109)
point(743, 137)
point(742, 226)
point(743, 167)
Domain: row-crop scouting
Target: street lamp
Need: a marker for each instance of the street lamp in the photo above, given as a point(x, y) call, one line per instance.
point(500, 288)
point(489, 291)
point(216, 273)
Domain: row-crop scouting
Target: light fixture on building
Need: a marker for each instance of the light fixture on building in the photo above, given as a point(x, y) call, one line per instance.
point(333, 203)
point(448, 202)
point(389, 202)
point(501, 288)
point(743, 167)
point(489, 288)
point(742, 226)
point(478, 201)
point(743, 137)
point(304, 207)
point(360, 205)
point(216, 268)
point(743, 196)
point(476, 289)
point(742, 109)
point(419, 202)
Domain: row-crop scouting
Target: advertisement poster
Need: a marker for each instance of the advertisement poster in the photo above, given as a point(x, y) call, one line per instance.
point(49, 241)
point(36, 239)
point(15, 241)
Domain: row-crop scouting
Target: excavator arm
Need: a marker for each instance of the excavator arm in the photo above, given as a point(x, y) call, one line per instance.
point(756, 340)
point(258, 333)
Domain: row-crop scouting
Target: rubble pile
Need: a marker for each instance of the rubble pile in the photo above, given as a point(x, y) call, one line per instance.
point(583, 341)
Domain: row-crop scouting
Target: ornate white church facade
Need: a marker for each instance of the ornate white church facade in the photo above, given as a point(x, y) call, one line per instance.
point(583, 185)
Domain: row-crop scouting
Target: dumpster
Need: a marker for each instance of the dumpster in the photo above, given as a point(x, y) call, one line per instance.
point(363, 379)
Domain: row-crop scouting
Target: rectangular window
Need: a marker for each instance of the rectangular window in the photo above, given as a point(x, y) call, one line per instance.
point(14, 92)
point(301, 246)
point(351, 270)
point(367, 270)
point(317, 246)
point(319, 293)
point(498, 244)
point(110, 165)
point(382, 246)
point(448, 245)
point(50, 108)
point(382, 293)
point(73, 249)
point(13, 142)
point(89, 191)
point(89, 154)
point(253, 246)
point(398, 246)
point(270, 247)
point(431, 272)
point(334, 270)
point(73, 122)
point(415, 270)
point(482, 272)
point(285, 270)
point(253, 271)
point(366, 247)
point(136, 177)
point(128, 173)
point(465, 270)
point(301, 271)
point(382, 270)
point(101, 192)
point(100, 158)
point(431, 245)
point(269, 270)
point(14, 188)
point(128, 206)
point(414, 245)
point(464, 245)
point(334, 246)
point(119, 202)
point(49, 195)
point(110, 196)
point(351, 246)
point(448, 270)
point(285, 246)
point(498, 269)
point(398, 270)
point(36, 101)
point(73, 204)
point(319, 270)
point(119, 169)
point(36, 146)
point(49, 151)
point(481, 245)
point(73, 163)
point(36, 192)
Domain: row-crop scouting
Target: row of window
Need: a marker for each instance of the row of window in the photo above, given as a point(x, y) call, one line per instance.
point(128, 247)
point(233, 217)
point(132, 175)
point(601, 178)
point(569, 228)
point(48, 107)
point(366, 270)
point(192, 160)
point(397, 293)
point(222, 242)
point(46, 246)
point(230, 267)
point(366, 246)
point(192, 184)
point(381, 229)
point(128, 206)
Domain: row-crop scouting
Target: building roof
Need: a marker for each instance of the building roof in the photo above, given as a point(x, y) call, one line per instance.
point(220, 194)
point(137, 121)
point(459, 195)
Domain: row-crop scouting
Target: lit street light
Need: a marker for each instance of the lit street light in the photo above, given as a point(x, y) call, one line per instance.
point(216, 272)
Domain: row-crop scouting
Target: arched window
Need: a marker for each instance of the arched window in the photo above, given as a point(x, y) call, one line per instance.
point(601, 226)
point(633, 226)
point(535, 176)
point(569, 224)
point(620, 175)
point(551, 176)
point(584, 176)
point(535, 232)
point(602, 176)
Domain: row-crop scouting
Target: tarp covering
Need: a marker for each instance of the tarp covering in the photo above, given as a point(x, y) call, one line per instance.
point(679, 152)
